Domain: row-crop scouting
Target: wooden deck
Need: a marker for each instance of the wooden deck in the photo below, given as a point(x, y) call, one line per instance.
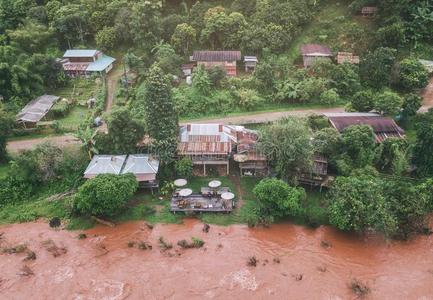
point(200, 203)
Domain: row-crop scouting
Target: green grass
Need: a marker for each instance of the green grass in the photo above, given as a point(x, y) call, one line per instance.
point(75, 117)
point(331, 26)
point(4, 169)
point(31, 210)
point(77, 90)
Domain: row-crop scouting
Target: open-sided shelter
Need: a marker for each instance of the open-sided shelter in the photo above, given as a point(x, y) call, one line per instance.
point(36, 110)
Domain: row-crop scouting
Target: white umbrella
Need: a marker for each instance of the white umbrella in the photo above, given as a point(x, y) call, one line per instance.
point(227, 196)
point(185, 192)
point(214, 184)
point(180, 182)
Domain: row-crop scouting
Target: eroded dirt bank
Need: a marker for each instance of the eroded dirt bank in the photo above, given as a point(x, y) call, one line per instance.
point(293, 263)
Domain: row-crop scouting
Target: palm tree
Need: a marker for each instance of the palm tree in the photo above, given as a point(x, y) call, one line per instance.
point(87, 137)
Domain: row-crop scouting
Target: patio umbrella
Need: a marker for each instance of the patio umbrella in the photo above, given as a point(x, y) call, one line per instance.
point(227, 196)
point(185, 192)
point(214, 184)
point(180, 182)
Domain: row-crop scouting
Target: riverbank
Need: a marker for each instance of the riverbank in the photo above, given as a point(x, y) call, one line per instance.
point(292, 262)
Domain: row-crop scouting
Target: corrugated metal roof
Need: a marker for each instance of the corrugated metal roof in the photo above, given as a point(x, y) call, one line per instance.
point(80, 53)
point(100, 64)
point(105, 164)
point(383, 127)
point(141, 164)
point(250, 59)
point(216, 55)
point(36, 109)
point(315, 50)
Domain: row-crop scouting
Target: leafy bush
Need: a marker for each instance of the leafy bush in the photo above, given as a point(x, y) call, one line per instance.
point(363, 101)
point(61, 109)
point(184, 167)
point(412, 74)
point(105, 194)
point(388, 103)
point(248, 98)
point(278, 199)
point(329, 97)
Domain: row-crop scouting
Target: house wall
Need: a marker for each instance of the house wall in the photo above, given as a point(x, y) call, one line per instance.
point(229, 66)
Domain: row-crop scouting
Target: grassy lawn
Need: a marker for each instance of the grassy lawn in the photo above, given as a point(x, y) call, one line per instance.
point(74, 118)
point(79, 90)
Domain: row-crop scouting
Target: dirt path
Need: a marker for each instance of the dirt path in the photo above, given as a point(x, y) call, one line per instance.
point(61, 141)
point(427, 95)
point(112, 81)
point(266, 117)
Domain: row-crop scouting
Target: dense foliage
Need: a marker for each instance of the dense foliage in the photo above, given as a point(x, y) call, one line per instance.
point(105, 195)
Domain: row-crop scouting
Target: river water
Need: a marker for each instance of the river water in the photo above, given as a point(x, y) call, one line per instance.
point(294, 262)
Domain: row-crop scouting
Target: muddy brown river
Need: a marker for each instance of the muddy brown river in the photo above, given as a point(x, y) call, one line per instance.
point(294, 262)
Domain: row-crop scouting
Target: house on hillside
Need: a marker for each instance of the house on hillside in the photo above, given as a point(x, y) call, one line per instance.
point(80, 62)
point(251, 161)
point(312, 52)
point(347, 57)
point(383, 127)
point(143, 166)
point(36, 110)
point(226, 59)
point(369, 11)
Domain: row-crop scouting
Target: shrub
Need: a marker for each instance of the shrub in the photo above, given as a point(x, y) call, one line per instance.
point(248, 98)
point(412, 74)
point(277, 198)
point(363, 101)
point(388, 103)
point(329, 97)
point(105, 194)
point(184, 167)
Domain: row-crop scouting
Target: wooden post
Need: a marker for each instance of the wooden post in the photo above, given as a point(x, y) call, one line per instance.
point(228, 168)
point(204, 169)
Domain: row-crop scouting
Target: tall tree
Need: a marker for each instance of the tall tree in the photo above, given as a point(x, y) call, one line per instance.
point(160, 114)
point(422, 152)
point(287, 144)
point(375, 67)
point(124, 131)
point(6, 124)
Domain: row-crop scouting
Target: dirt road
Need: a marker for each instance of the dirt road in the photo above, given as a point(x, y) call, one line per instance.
point(266, 117)
point(61, 141)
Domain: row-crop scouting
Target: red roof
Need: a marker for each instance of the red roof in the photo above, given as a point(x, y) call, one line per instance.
point(216, 55)
point(313, 49)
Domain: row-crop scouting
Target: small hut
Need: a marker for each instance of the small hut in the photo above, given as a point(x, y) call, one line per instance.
point(250, 63)
point(369, 11)
point(312, 52)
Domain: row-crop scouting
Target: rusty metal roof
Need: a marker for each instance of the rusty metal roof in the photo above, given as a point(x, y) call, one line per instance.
point(315, 50)
point(204, 148)
point(383, 127)
point(216, 55)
